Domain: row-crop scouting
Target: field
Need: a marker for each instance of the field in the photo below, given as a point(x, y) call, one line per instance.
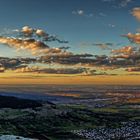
point(57, 112)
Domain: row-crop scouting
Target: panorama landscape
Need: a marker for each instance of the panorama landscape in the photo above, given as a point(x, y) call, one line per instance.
point(69, 69)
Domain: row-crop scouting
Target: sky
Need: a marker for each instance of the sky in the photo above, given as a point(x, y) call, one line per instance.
point(99, 20)
point(94, 37)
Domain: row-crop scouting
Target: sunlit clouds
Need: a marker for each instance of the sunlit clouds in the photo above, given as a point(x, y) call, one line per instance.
point(49, 54)
point(59, 60)
point(136, 13)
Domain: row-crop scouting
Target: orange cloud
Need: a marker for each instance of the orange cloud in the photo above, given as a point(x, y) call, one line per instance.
point(136, 13)
point(124, 50)
point(32, 45)
point(134, 38)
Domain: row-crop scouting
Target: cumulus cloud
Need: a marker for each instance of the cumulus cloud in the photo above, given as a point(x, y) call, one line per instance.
point(27, 31)
point(124, 50)
point(36, 42)
point(32, 45)
point(32, 40)
point(126, 56)
point(13, 63)
point(133, 38)
point(136, 12)
point(39, 34)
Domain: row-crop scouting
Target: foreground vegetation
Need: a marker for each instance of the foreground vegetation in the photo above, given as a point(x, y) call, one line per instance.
point(59, 122)
point(71, 112)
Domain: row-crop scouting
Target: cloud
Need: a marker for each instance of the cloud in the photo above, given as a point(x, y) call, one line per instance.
point(104, 46)
point(27, 31)
point(133, 38)
point(13, 63)
point(82, 13)
point(67, 58)
point(111, 25)
point(136, 13)
point(102, 14)
point(32, 40)
point(124, 3)
point(32, 45)
point(128, 55)
point(36, 42)
point(50, 70)
point(79, 12)
point(125, 50)
point(118, 4)
point(39, 34)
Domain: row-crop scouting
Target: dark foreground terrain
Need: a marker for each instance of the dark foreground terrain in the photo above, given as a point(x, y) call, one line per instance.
point(73, 113)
